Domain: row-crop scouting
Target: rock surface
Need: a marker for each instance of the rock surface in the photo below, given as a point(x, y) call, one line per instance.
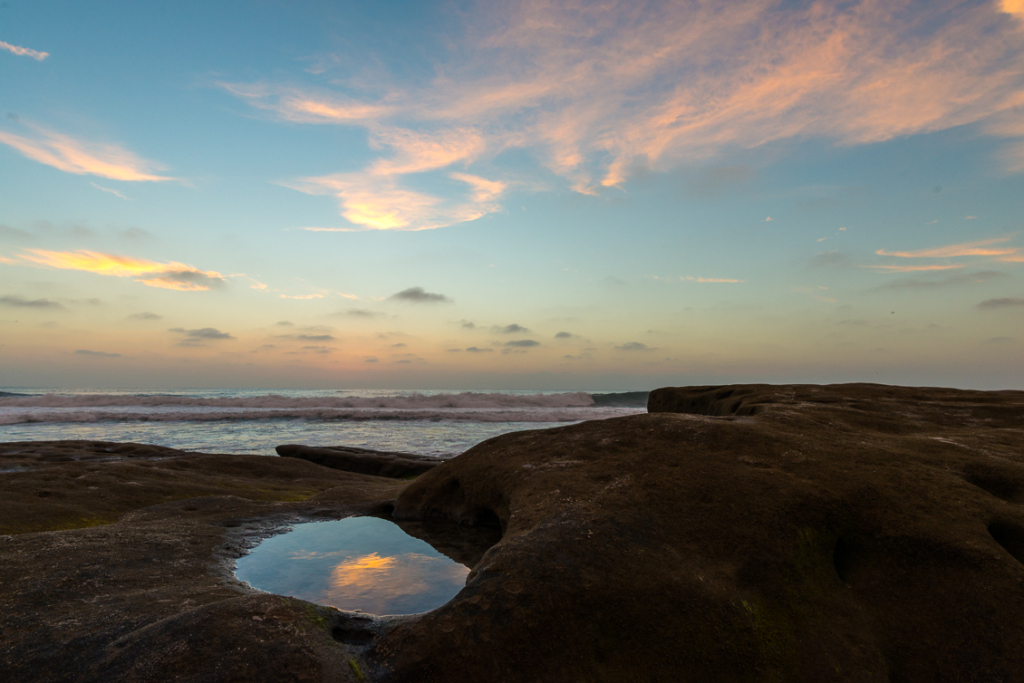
point(742, 533)
point(363, 460)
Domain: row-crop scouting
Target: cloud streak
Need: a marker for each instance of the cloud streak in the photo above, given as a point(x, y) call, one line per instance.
point(20, 302)
point(979, 248)
point(169, 275)
point(70, 155)
point(24, 51)
point(993, 304)
point(598, 90)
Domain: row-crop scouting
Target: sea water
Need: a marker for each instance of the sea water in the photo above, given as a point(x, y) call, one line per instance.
point(253, 421)
point(361, 564)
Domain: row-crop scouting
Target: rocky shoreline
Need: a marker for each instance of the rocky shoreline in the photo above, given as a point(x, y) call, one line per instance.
point(740, 533)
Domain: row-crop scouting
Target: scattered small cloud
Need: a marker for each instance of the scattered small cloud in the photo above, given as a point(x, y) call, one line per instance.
point(399, 345)
point(371, 359)
point(718, 280)
point(565, 335)
point(514, 328)
point(970, 218)
point(307, 337)
point(522, 343)
point(201, 333)
point(303, 297)
point(284, 323)
point(634, 346)
point(145, 315)
point(993, 304)
point(467, 324)
point(21, 302)
point(999, 340)
point(475, 349)
point(831, 259)
point(768, 220)
point(24, 51)
point(97, 354)
point(418, 295)
point(360, 313)
point(134, 234)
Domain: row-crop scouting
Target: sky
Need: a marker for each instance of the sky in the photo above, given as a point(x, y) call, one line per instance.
point(511, 195)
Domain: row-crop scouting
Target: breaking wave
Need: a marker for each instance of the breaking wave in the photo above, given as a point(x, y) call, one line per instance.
point(465, 406)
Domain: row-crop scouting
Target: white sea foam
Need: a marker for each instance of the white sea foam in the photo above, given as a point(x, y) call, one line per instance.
point(202, 414)
point(256, 421)
point(413, 401)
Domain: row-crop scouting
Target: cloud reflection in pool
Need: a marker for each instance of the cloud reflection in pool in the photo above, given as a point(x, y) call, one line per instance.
point(358, 563)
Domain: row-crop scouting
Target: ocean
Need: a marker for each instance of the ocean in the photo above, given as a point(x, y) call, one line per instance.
point(253, 421)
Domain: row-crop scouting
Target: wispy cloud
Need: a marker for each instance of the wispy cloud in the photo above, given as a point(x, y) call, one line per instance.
point(914, 269)
point(979, 248)
point(991, 304)
point(598, 90)
point(720, 280)
point(67, 154)
point(514, 328)
point(360, 313)
point(110, 191)
point(146, 315)
point(24, 51)
point(948, 281)
point(634, 346)
point(418, 295)
point(21, 302)
point(97, 354)
point(169, 275)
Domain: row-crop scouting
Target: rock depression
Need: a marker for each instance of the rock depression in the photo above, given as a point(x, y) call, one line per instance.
point(740, 533)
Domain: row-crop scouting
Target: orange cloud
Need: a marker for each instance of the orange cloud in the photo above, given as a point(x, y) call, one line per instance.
point(171, 275)
point(24, 51)
point(980, 248)
point(1014, 7)
point(308, 107)
point(483, 190)
point(82, 158)
point(599, 90)
point(379, 203)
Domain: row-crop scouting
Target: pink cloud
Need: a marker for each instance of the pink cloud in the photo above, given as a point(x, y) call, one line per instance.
point(68, 154)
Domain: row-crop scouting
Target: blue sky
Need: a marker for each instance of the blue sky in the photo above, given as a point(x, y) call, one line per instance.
point(511, 195)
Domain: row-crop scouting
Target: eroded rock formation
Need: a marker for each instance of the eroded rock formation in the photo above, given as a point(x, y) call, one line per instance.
point(742, 533)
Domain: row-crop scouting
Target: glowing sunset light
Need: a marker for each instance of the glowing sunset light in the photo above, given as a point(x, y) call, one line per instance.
point(169, 275)
point(686, 176)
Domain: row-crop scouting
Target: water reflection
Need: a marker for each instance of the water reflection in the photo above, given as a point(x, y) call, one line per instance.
point(359, 563)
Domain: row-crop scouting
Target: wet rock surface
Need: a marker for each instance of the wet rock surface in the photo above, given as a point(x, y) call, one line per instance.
point(363, 460)
point(743, 533)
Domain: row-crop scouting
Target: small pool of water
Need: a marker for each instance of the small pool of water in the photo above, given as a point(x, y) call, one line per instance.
point(366, 564)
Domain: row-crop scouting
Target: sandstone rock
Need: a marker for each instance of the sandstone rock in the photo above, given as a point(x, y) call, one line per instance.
point(363, 460)
point(742, 533)
point(797, 533)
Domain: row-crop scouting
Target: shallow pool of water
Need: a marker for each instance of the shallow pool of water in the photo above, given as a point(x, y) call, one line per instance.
point(362, 563)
